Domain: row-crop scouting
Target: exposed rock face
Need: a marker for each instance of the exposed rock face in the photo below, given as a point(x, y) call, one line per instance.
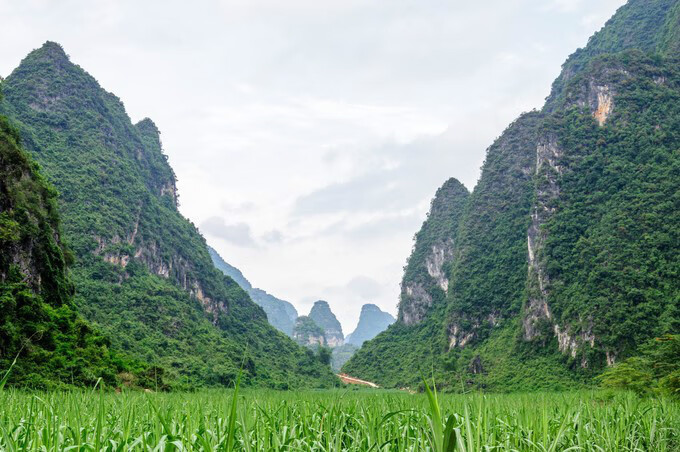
point(372, 321)
point(441, 254)
point(322, 315)
point(307, 333)
point(604, 104)
point(476, 366)
point(418, 302)
point(281, 314)
point(489, 272)
point(31, 251)
point(427, 273)
point(560, 232)
point(548, 171)
point(132, 153)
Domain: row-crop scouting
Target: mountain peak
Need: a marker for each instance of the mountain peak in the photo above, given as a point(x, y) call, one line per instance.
point(50, 51)
point(372, 322)
point(323, 316)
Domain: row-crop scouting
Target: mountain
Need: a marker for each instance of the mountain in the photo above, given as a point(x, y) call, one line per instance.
point(307, 333)
point(323, 316)
point(564, 258)
point(341, 354)
point(142, 272)
point(280, 313)
point(371, 322)
point(39, 323)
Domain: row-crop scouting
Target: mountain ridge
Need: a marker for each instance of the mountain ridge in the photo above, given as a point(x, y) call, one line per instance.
point(280, 313)
point(541, 293)
point(372, 321)
point(143, 272)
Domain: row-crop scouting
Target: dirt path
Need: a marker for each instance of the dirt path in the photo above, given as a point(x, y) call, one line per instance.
point(355, 381)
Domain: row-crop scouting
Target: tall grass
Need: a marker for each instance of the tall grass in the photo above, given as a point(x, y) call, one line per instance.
point(259, 420)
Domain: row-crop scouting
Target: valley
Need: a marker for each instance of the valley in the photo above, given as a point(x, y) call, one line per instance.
point(538, 310)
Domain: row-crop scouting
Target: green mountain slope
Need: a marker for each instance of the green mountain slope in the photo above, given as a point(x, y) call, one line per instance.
point(143, 272)
point(567, 250)
point(395, 357)
point(280, 313)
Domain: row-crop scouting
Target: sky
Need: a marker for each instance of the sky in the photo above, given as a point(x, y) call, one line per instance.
point(309, 136)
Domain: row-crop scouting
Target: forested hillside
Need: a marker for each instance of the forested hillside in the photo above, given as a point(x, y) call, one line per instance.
point(39, 324)
point(142, 272)
point(566, 253)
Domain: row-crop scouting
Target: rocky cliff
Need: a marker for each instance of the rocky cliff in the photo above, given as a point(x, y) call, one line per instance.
point(307, 333)
point(565, 251)
point(323, 316)
point(143, 272)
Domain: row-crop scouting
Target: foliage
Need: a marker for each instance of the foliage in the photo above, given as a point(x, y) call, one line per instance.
point(352, 421)
point(613, 243)
point(143, 273)
point(324, 355)
point(610, 243)
point(657, 369)
point(341, 354)
point(307, 332)
point(440, 227)
point(43, 340)
point(647, 25)
point(322, 315)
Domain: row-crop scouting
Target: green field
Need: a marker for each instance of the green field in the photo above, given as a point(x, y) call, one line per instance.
point(335, 420)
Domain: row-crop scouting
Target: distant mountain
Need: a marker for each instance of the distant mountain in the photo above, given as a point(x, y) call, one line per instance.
point(341, 354)
point(142, 271)
point(372, 321)
point(323, 316)
point(564, 259)
point(307, 333)
point(280, 313)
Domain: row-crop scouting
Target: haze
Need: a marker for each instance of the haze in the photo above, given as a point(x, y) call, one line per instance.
point(309, 137)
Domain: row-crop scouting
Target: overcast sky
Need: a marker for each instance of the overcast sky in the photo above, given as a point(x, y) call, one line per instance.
point(308, 136)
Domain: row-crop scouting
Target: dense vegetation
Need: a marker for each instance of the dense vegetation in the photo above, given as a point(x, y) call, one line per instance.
point(337, 420)
point(566, 254)
point(142, 272)
point(655, 371)
point(613, 245)
point(39, 323)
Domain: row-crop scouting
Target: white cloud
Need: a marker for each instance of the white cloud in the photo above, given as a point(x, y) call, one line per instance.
point(320, 130)
point(238, 234)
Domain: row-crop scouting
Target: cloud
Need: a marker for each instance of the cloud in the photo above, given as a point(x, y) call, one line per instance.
point(273, 236)
point(365, 287)
point(242, 207)
point(239, 233)
point(392, 177)
point(309, 137)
